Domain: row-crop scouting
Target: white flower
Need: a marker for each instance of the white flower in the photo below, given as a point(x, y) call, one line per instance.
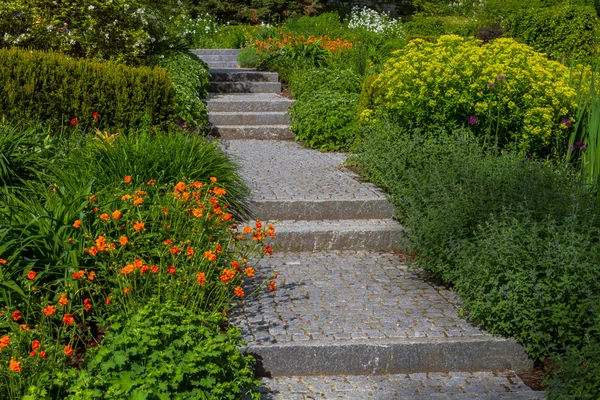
point(91, 7)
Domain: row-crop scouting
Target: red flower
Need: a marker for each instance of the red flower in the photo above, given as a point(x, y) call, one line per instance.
point(68, 350)
point(31, 275)
point(268, 250)
point(171, 270)
point(108, 300)
point(42, 354)
point(35, 344)
point(201, 278)
point(17, 315)
point(154, 269)
point(95, 115)
point(74, 122)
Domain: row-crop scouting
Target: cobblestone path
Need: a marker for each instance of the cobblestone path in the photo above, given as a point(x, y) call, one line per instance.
point(349, 320)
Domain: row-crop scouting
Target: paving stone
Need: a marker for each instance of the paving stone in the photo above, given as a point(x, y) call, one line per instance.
point(360, 387)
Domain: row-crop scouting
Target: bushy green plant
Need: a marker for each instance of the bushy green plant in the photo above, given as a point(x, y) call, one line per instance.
point(537, 281)
point(502, 89)
point(167, 350)
point(324, 24)
point(254, 11)
point(190, 77)
point(54, 88)
point(305, 83)
point(434, 26)
point(248, 57)
point(117, 30)
point(562, 32)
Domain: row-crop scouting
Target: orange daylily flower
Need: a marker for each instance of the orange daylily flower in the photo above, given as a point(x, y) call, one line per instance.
point(210, 256)
point(49, 311)
point(201, 278)
point(127, 179)
point(250, 272)
point(104, 216)
point(239, 292)
point(77, 224)
point(117, 214)
point(15, 366)
point(68, 319)
point(16, 315)
point(63, 301)
point(68, 350)
point(138, 226)
point(4, 341)
point(123, 240)
point(31, 275)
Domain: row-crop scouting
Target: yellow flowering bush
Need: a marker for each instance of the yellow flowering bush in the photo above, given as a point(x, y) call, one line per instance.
point(503, 89)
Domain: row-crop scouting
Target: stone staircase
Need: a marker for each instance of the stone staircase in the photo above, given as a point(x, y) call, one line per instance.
point(349, 319)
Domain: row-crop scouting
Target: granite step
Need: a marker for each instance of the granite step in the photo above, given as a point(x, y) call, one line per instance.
point(366, 234)
point(223, 64)
point(248, 118)
point(210, 52)
point(242, 75)
point(244, 87)
point(218, 57)
point(478, 385)
point(362, 313)
point(253, 132)
point(304, 184)
point(247, 102)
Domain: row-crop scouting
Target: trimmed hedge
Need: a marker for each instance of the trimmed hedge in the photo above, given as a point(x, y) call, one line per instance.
point(561, 31)
point(51, 87)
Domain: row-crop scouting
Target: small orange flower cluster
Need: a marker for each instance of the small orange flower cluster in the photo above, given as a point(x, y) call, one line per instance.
point(289, 40)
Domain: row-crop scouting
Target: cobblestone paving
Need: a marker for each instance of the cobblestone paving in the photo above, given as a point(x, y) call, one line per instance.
point(284, 170)
point(340, 295)
point(393, 386)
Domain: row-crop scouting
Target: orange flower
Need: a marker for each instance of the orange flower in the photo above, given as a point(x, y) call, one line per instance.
point(180, 187)
point(108, 300)
point(268, 250)
point(104, 216)
point(31, 275)
point(257, 235)
point(197, 185)
point(210, 256)
point(42, 354)
point(4, 341)
point(168, 242)
point(3, 261)
point(138, 201)
point(141, 193)
point(227, 217)
point(33, 353)
point(219, 249)
point(239, 292)
point(250, 272)
point(145, 269)
point(92, 198)
point(213, 179)
point(95, 115)
point(171, 270)
point(227, 275)
point(126, 270)
point(165, 211)
point(125, 197)
point(87, 307)
point(150, 182)
point(138, 226)
point(175, 250)
point(126, 290)
point(127, 179)
point(93, 251)
point(101, 243)
point(68, 350)
point(35, 344)
point(258, 225)
point(272, 286)
point(77, 224)
point(63, 301)
point(92, 275)
point(96, 209)
point(78, 274)
point(219, 191)
point(236, 265)
point(16, 315)
point(154, 269)
point(137, 263)
point(247, 230)
point(190, 252)
point(49, 311)
point(117, 214)
point(197, 212)
point(201, 278)
point(23, 327)
point(87, 300)
point(15, 366)
point(68, 319)
point(123, 240)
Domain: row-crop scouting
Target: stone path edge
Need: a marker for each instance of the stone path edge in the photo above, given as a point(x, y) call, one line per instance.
point(310, 210)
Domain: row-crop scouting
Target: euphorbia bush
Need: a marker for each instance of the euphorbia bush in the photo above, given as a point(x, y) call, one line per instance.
point(502, 89)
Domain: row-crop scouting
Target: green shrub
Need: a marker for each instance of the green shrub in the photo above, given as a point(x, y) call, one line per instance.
point(562, 32)
point(50, 87)
point(324, 112)
point(122, 31)
point(576, 374)
point(537, 281)
point(326, 24)
point(254, 11)
point(248, 57)
point(503, 89)
point(421, 25)
point(167, 351)
point(190, 77)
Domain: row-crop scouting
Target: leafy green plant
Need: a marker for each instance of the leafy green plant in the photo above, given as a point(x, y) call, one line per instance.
point(563, 31)
point(190, 77)
point(167, 350)
point(248, 57)
point(56, 89)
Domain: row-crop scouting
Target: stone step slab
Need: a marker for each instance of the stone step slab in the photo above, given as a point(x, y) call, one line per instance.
point(210, 52)
point(368, 234)
point(242, 102)
point(478, 385)
point(248, 118)
point(218, 57)
point(253, 132)
point(242, 75)
point(304, 184)
point(244, 87)
point(361, 313)
point(222, 64)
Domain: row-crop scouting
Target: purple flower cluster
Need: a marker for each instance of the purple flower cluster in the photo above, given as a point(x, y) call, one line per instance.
point(566, 123)
point(473, 120)
point(578, 145)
